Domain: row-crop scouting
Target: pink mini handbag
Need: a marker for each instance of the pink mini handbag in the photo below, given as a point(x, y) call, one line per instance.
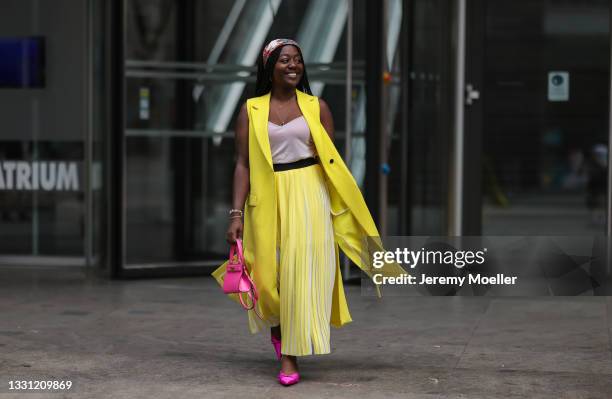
point(237, 280)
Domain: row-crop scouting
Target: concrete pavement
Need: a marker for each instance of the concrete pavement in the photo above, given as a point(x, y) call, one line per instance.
point(182, 338)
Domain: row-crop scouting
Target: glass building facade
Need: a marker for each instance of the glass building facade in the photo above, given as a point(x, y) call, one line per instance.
point(455, 117)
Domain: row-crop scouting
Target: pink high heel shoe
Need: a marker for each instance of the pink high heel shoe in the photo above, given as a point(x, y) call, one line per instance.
point(288, 379)
point(277, 346)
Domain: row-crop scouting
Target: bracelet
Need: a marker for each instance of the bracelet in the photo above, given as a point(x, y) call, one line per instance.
point(236, 211)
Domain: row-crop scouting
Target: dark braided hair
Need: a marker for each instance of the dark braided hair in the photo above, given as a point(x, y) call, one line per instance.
point(264, 73)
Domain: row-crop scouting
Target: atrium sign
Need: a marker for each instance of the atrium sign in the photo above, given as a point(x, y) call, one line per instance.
point(43, 175)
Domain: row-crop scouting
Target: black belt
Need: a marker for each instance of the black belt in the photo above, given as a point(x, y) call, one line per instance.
point(297, 164)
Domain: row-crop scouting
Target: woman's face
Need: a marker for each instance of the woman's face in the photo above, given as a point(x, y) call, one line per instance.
point(289, 68)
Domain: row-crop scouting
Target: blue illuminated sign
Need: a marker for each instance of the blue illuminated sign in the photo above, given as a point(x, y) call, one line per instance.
point(22, 62)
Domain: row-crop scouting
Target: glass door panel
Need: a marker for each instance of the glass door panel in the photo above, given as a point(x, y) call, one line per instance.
point(545, 117)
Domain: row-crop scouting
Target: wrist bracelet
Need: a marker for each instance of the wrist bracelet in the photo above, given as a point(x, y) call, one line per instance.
point(236, 211)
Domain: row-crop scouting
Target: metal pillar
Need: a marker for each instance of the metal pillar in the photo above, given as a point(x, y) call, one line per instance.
point(374, 93)
point(609, 197)
point(455, 206)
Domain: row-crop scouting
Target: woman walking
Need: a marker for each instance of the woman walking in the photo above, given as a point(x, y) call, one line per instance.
point(294, 203)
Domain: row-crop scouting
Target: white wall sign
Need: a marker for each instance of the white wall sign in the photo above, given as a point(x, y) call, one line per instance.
point(47, 176)
point(558, 86)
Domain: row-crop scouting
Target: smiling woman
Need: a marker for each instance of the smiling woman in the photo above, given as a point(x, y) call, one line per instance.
point(302, 205)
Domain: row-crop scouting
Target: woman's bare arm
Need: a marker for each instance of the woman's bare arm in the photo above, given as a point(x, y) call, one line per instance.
point(241, 172)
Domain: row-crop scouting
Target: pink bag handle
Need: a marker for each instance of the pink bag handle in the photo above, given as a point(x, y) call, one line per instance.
point(237, 246)
point(252, 293)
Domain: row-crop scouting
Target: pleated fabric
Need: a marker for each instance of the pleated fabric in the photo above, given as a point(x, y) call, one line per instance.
point(307, 262)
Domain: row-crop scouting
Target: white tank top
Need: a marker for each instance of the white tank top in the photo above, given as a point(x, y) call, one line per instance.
point(290, 142)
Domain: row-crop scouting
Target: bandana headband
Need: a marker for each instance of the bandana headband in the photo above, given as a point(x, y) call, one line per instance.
point(274, 44)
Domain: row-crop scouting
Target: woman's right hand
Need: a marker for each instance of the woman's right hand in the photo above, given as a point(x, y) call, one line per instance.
point(234, 230)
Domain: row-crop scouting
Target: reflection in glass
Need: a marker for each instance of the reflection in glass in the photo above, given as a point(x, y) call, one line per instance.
point(546, 118)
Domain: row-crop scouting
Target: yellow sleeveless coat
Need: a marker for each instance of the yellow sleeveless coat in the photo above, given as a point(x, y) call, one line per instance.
point(354, 230)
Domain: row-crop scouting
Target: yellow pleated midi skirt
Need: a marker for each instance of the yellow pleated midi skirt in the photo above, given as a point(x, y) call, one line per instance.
point(306, 260)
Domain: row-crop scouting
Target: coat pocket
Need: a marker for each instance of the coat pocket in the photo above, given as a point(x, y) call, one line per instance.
point(337, 205)
point(252, 200)
point(338, 210)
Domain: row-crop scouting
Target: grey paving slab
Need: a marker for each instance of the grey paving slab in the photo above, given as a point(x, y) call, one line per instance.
point(478, 384)
point(559, 323)
point(555, 334)
point(609, 318)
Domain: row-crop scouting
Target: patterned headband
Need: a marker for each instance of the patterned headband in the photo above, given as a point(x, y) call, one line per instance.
point(274, 44)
